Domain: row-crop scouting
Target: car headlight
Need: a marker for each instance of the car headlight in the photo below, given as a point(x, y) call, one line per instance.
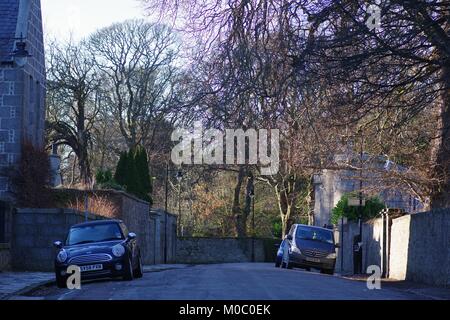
point(62, 256)
point(331, 256)
point(118, 250)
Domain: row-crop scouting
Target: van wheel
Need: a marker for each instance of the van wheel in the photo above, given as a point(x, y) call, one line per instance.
point(284, 260)
point(287, 263)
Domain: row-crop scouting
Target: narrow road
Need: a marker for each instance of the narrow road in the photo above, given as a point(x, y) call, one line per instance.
point(244, 281)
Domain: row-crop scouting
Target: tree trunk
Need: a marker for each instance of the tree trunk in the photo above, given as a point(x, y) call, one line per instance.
point(441, 194)
point(82, 137)
point(248, 201)
point(84, 165)
point(285, 218)
point(74, 165)
point(285, 211)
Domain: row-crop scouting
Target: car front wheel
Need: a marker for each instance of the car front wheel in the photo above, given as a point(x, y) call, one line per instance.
point(61, 281)
point(139, 272)
point(128, 271)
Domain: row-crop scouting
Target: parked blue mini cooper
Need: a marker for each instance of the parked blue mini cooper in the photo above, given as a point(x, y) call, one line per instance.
point(102, 248)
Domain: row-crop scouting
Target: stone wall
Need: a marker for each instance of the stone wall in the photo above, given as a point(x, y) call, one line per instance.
point(151, 228)
point(344, 237)
point(372, 245)
point(417, 247)
point(400, 235)
point(420, 248)
point(163, 243)
point(135, 214)
point(148, 224)
point(35, 230)
point(218, 250)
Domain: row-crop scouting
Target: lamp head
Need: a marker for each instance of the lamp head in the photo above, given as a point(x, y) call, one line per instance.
point(21, 54)
point(179, 175)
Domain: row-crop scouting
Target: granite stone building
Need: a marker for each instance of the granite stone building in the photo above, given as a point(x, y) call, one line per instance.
point(22, 81)
point(331, 184)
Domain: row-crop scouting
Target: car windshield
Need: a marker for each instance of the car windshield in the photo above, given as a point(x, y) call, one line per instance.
point(304, 233)
point(94, 233)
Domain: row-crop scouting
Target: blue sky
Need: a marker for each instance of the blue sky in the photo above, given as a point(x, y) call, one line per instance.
point(79, 18)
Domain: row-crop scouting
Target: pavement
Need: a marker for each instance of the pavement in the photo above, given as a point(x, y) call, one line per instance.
point(17, 284)
point(238, 281)
point(435, 293)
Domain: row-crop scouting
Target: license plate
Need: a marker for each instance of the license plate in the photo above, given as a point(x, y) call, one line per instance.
point(313, 260)
point(93, 267)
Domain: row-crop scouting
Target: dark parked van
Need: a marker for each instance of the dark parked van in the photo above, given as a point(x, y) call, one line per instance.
point(309, 247)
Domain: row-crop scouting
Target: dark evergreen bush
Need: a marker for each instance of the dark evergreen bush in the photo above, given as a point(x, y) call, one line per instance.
point(133, 173)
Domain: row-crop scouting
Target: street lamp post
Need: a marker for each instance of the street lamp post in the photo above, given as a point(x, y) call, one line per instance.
point(179, 176)
point(361, 154)
point(165, 211)
point(166, 187)
point(252, 197)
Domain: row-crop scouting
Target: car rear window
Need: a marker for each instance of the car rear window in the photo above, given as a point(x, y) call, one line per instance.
point(94, 233)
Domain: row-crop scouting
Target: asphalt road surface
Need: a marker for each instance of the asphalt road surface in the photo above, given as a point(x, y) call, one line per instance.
point(244, 281)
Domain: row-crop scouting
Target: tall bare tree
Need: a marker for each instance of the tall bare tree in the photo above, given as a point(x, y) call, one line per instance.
point(402, 65)
point(137, 63)
point(73, 100)
point(362, 75)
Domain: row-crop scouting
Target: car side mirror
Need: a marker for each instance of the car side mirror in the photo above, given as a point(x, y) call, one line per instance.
point(58, 244)
point(132, 236)
point(289, 237)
